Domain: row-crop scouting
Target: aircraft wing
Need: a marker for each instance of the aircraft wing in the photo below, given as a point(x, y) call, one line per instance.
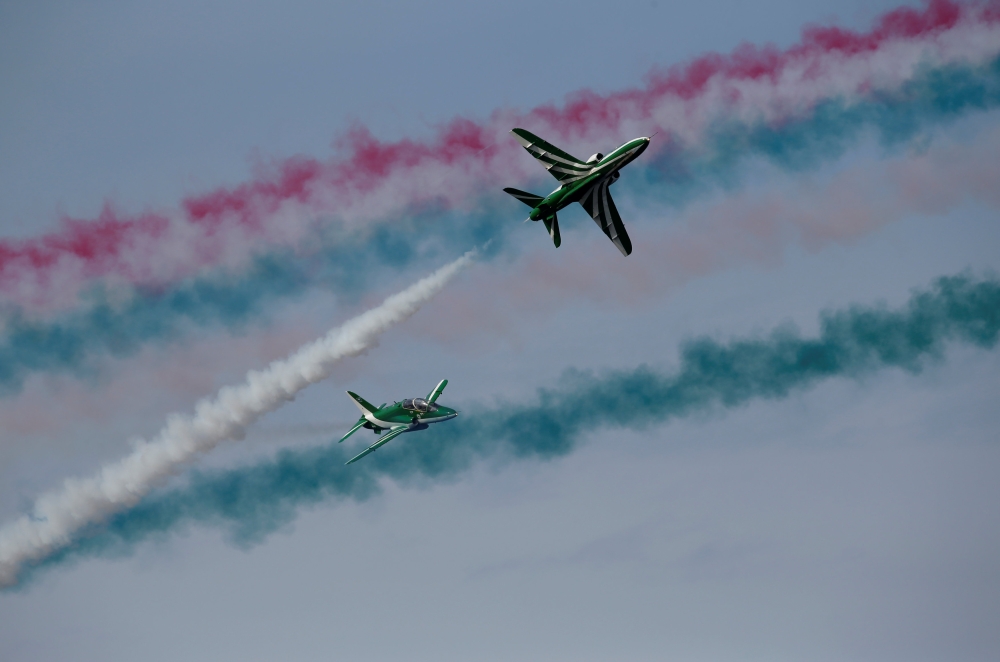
point(357, 426)
point(386, 438)
point(598, 203)
point(564, 167)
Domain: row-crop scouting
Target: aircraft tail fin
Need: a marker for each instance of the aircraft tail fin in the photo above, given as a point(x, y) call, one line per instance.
point(362, 404)
point(437, 390)
point(529, 199)
point(532, 200)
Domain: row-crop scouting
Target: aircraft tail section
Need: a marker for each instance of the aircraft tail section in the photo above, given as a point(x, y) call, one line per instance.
point(529, 199)
point(362, 404)
point(532, 200)
point(437, 390)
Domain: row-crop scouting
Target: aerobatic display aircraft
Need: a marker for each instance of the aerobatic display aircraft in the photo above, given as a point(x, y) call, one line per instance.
point(585, 182)
point(399, 417)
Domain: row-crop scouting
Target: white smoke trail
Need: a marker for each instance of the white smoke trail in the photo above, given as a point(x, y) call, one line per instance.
point(59, 515)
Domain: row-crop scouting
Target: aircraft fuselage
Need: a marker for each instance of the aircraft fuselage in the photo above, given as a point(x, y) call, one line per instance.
point(572, 192)
point(396, 414)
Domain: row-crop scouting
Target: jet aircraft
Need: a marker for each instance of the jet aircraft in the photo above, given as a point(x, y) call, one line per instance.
point(585, 182)
point(406, 416)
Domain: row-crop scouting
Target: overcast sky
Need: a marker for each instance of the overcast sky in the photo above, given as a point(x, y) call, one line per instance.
point(855, 520)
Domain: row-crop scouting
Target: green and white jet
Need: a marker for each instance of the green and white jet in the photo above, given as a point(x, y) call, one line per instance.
point(399, 417)
point(585, 182)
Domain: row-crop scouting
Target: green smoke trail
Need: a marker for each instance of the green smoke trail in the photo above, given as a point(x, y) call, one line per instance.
point(251, 502)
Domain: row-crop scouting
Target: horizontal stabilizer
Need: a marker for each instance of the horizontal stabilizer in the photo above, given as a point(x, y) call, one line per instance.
point(552, 225)
point(529, 199)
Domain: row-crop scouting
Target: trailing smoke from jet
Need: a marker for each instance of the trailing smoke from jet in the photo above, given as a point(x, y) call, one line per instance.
point(917, 69)
point(250, 502)
point(710, 110)
point(59, 516)
point(675, 177)
point(113, 325)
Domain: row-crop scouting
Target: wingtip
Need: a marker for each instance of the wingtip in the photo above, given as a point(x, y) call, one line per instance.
point(522, 136)
point(359, 456)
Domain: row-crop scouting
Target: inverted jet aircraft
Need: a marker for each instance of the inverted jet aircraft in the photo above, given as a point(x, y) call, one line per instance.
point(585, 182)
point(406, 416)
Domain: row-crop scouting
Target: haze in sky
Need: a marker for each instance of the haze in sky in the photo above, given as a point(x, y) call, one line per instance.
point(769, 433)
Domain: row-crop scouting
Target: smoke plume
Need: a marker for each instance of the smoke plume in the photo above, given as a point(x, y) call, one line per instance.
point(914, 62)
point(250, 502)
point(58, 516)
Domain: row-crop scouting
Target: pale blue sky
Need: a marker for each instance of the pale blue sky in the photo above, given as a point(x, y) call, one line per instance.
point(853, 521)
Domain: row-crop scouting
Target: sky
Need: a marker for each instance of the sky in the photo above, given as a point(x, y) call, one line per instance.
point(191, 192)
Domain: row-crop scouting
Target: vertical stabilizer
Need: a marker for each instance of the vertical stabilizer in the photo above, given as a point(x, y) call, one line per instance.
point(437, 390)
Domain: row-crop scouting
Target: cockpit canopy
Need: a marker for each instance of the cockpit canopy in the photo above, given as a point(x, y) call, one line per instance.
point(419, 404)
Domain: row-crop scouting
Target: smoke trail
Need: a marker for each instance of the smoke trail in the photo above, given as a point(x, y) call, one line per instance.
point(250, 502)
point(113, 325)
point(58, 516)
point(677, 176)
point(803, 141)
point(376, 181)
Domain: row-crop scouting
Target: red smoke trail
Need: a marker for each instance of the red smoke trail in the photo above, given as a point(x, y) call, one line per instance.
point(248, 201)
point(94, 242)
point(372, 179)
point(750, 62)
